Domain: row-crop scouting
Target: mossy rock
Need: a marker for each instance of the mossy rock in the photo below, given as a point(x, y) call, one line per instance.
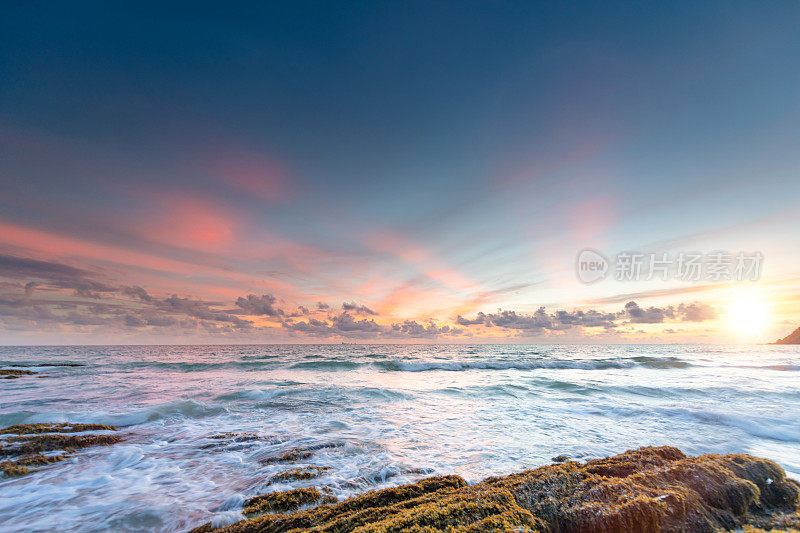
point(28, 441)
point(23, 466)
point(298, 474)
point(27, 429)
point(15, 373)
point(27, 444)
point(289, 500)
point(292, 456)
point(651, 489)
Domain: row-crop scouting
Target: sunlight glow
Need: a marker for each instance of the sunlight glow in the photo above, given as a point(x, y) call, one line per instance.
point(748, 314)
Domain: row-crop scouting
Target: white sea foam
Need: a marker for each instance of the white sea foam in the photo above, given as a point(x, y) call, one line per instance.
point(377, 415)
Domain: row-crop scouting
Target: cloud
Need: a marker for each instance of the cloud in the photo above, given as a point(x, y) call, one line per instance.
point(412, 328)
point(200, 309)
point(358, 309)
point(345, 322)
point(137, 292)
point(479, 319)
point(58, 275)
point(29, 288)
point(651, 315)
point(697, 312)
point(259, 305)
point(587, 319)
point(40, 295)
point(561, 320)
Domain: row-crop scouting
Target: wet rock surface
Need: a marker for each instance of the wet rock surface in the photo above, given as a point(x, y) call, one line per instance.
point(297, 474)
point(648, 489)
point(14, 373)
point(27, 446)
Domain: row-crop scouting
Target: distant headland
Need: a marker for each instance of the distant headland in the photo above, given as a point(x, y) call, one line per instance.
point(792, 338)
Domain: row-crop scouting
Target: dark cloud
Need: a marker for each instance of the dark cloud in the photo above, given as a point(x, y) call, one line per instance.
point(651, 315)
point(587, 319)
point(412, 328)
point(345, 322)
point(479, 319)
point(322, 306)
point(358, 309)
point(21, 267)
point(83, 283)
point(338, 325)
point(136, 292)
point(696, 312)
point(259, 305)
point(541, 320)
point(29, 288)
point(200, 309)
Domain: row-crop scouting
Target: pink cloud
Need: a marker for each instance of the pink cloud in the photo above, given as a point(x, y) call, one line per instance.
point(251, 173)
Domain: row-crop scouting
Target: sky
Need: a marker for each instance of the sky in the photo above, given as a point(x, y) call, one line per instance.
point(396, 171)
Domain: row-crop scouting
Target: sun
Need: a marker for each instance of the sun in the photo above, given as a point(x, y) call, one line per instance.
point(748, 315)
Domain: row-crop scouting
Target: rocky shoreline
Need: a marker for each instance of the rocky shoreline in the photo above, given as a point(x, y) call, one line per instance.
point(648, 489)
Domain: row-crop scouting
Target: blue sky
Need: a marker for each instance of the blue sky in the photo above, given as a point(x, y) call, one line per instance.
point(425, 161)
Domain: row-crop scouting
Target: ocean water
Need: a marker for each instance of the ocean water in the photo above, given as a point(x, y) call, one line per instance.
point(377, 415)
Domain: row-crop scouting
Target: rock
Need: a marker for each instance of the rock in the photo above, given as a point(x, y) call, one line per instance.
point(41, 443)
point(560, 458)
point(288, 500)
point(22, 466)
point(21, 446)
point(15, 373)
point(25, 429)
point(296, 474)
point(792, 338)
point(649, 489)
point(292, 456)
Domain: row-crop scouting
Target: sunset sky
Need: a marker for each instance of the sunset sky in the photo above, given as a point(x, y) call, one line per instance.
point(394, 172)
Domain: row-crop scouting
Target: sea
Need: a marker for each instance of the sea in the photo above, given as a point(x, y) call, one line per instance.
point(376, 415)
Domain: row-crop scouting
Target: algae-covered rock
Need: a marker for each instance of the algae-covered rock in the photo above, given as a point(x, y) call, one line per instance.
point(298, 454)
point(289, 500)
point(42, 443)
point(649, 490)
point(296, 474)
point(21, 446)
point(22, 466)
point(292, 456)
point(7, 373)
point(26, 429)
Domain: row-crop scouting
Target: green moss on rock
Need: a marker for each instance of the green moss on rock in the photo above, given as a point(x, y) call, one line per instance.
point(292, 456)
point(27, 429)
point(297, 474)
point(279, 502)
point(649, 489)
point(42, 443)
point(23, 449)
point(22, 466)
point(7, 373)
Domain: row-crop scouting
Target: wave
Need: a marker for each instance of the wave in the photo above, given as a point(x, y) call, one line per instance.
point(199, 366)
point(661, 362)
point(164, 411)
point(779, 368)
point(535, 364)
point(330, 364)
point(765, 428)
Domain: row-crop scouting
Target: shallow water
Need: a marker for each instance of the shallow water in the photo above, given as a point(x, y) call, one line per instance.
point(378, 415)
